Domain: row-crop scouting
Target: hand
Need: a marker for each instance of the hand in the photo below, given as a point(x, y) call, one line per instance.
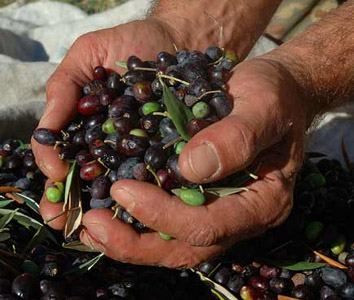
point(100, 48)
point(267, 125)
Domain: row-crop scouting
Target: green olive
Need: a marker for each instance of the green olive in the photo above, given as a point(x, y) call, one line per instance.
point(138, 132)
point(108, 127)
point(313, 230)
point(151, 107)
point(165, 237)
point(192, 197)
point(339, 245)
point(55, 192)
point(179, 147)
point(316, 180)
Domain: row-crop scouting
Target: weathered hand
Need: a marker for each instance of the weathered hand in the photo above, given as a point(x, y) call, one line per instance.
point(267, 125)
point(103, 48)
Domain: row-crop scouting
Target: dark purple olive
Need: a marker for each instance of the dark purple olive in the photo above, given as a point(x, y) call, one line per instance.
point(45, 136)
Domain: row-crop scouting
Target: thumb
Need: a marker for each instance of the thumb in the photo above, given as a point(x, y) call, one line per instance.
point(231, 144)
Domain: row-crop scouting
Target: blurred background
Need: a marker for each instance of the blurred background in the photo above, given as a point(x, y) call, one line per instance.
point(36, 34)
point(89, 6)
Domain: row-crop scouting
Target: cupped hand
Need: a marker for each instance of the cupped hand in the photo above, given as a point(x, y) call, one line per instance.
point(266, 126)
point(144, 39)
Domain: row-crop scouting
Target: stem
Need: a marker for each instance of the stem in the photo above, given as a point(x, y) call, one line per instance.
point(55, 217)
point(208, 93)
point(57, 143)
point(148, 167)
point(173, 78)
point(116, 210)
point(201, 189)
point(164, 114)
point(109, 142)
point(172, 142)
point(145, 69)
point(253, 176)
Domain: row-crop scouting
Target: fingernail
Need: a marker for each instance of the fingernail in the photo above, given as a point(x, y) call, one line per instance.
point(204, 161)
point(126, 199)
point(98, 232)
point(89, 242)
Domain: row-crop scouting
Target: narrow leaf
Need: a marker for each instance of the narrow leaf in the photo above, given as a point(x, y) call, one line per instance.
point(330, 261)
point(178, 111)
point(281, 297)
point(4, 236)
point(346, 156)
point(22, 219)
point(296, 266)
point(31, 203)
point(9, 266)
point(8, 189)
point(122, 64)
point(315, 154)
point(4, 203)
point(38, 238)
point(7, 217)
point(87, 266)
point(68, 183)
point(78, 246)
point(74, 215)
point(217, 289)
point(225, 191)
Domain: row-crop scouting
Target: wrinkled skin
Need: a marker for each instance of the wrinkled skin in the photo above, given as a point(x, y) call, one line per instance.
point(266, 127)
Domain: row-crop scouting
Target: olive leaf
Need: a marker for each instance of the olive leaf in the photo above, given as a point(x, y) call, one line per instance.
point(315, 154)
point(122, 64)
point(7, 217)
point(26, 221)
point(4, 236)
point(178, 111)
point(225, 191)
point(330, 261)
point(31, 203)
point(346, 156)
point(37, 239)
point(216, 289)
point(78, 246)
point(4, 203)
point(87, 266)
point(216, 191)
point(74, 215)
point(69, 180)
point(296, 266)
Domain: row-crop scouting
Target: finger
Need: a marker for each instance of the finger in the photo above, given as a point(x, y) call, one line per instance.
point(63, 92)
point(121, 242)
point(49, 210)
point(229, 145)
point(238, 216)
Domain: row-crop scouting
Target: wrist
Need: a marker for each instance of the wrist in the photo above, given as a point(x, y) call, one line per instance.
point(298, 75)
point(196, 24)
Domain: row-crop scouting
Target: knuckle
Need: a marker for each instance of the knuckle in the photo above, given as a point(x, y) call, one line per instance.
point(203, 235)
point(246, 139)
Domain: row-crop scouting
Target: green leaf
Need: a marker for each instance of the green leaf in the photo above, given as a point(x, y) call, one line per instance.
point(4, 236)
point(78, 246)
point(216, 191)
point(87, 266)
point(4, 203)
point(178, 111)
point(122, 64)
point(296, 266)
point(315, 154)
point(74, 215)
point(225, 191)
point(221, 292)
point(31, 203)
point(7, 217)
point(38, 238)
point(26, 221)
point(68, 183)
